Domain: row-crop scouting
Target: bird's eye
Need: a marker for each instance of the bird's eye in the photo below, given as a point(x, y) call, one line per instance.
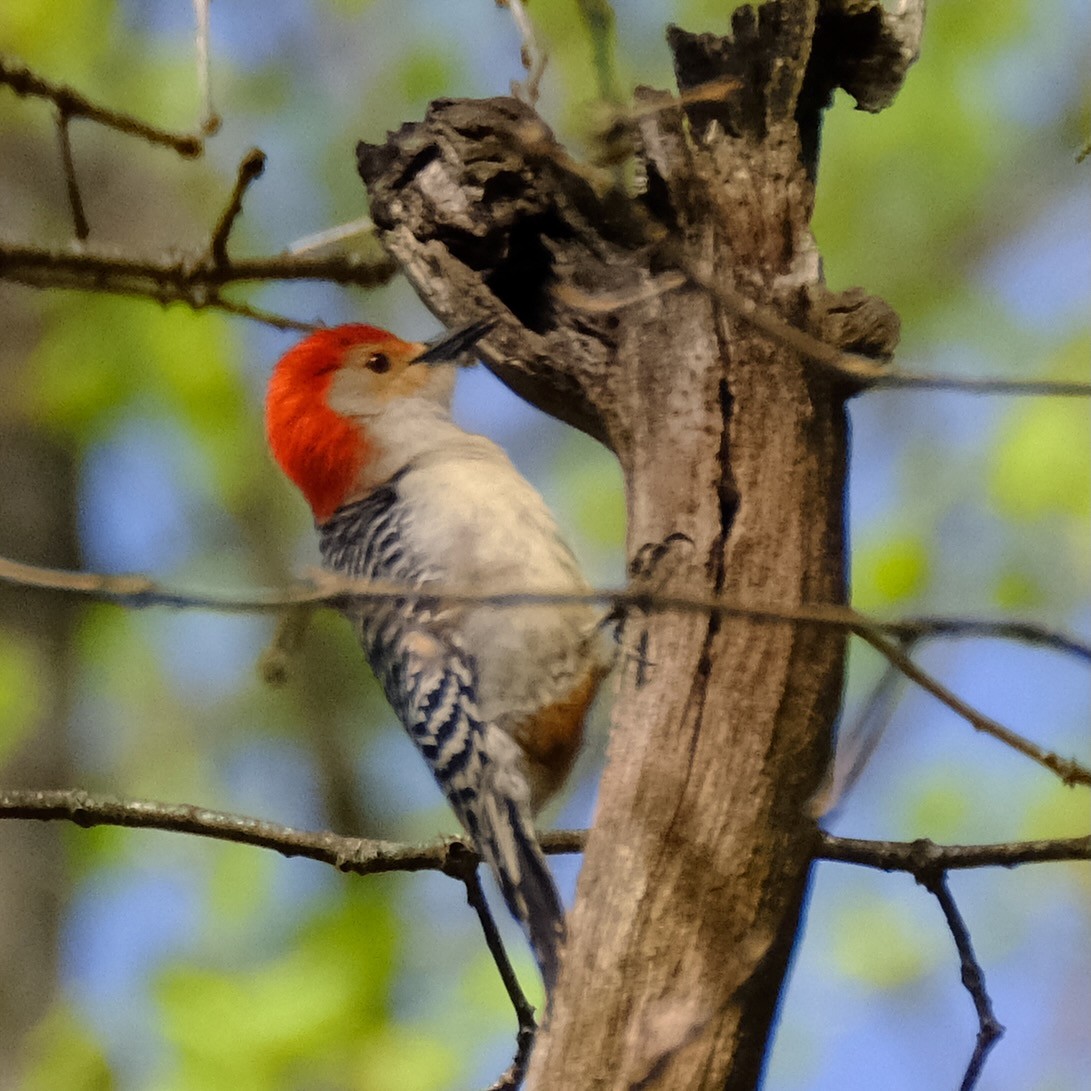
point(378, 362)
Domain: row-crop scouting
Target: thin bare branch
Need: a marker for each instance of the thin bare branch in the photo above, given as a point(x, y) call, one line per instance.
point(320, 240)
point(139, 592)
point(250, 169)
point(71, 184)
point(852, 368)
point(989, 1029)
point(97, 270)
point(195, 282)
point(368, 856)
point(920, 857)
point(513, 1076)
point(532, 56)
point(923, 859)
point(863, 371)
point(1026, 632)
point(28, 84)
point(1069, 770)
point(461, 863)
point(210, 119)
point(216, 302)
point(326, 589)
point(1049, 388)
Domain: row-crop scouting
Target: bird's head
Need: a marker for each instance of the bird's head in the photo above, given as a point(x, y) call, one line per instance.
point(328, 394)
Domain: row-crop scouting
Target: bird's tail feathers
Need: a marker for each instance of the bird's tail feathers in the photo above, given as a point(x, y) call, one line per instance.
point(509, 844)
point(498, 816)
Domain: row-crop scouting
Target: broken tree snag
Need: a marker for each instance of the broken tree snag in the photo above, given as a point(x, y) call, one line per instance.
point(616, 316)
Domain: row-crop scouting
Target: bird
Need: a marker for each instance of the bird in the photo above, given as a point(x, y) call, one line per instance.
point(494, 695)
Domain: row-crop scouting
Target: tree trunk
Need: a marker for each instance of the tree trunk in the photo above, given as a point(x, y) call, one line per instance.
point(734, 453)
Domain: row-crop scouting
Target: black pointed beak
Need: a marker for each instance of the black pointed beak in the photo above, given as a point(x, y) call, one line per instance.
point(450, 346)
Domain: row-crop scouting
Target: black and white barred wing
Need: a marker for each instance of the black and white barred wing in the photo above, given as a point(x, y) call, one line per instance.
point(430, 681)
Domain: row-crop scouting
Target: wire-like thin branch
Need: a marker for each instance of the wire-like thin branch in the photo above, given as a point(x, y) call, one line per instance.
point(989, 1029)
point(71, 103)
point(1026, 632)
point(513, 1076)
point(1048, 388)
point(327, 589)
point(1069, 770)
point(862, 370)
point(71, 184)
point(250, 169)
point(849, 367)
point(138, 592)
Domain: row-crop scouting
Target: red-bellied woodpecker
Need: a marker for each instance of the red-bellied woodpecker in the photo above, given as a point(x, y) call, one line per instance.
point(494, 696)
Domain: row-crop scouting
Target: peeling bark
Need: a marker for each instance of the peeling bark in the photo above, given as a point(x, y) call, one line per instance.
point(734, 452)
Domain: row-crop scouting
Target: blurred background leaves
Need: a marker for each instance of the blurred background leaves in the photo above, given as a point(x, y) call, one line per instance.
point(130, 440)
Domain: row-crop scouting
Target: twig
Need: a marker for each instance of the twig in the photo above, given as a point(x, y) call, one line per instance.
point(849, 367)
point(210, 119)
point(250, 169)
point(920, 857)
point(215, 301)
point(461, 863)
point(862, 370)
point(1027, 632)
point(1068, 769)
point(362, 856)
point(926, 861)
point(273, 664)
point(1050, 388)
point(138, 592)
point(326, 589)
point(96, 269)
point(533, 58)
point(513, 1076)
point(319, 240)
point(989, 1029)
point(79, 218)
point(368, 856)
point(194, 282)
point(71, 103)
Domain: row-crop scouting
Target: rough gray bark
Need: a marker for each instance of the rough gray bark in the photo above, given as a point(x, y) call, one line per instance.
point(734, 454)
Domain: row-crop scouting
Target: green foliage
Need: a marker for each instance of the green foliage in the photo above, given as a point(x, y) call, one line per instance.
point(103, 358)
point(592, 500)
point(426, 73)
point(938, 807)
point(317, 1014)
point(889, 571)
point(878, 943)
point(62, 1054)
point(1041, 467)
